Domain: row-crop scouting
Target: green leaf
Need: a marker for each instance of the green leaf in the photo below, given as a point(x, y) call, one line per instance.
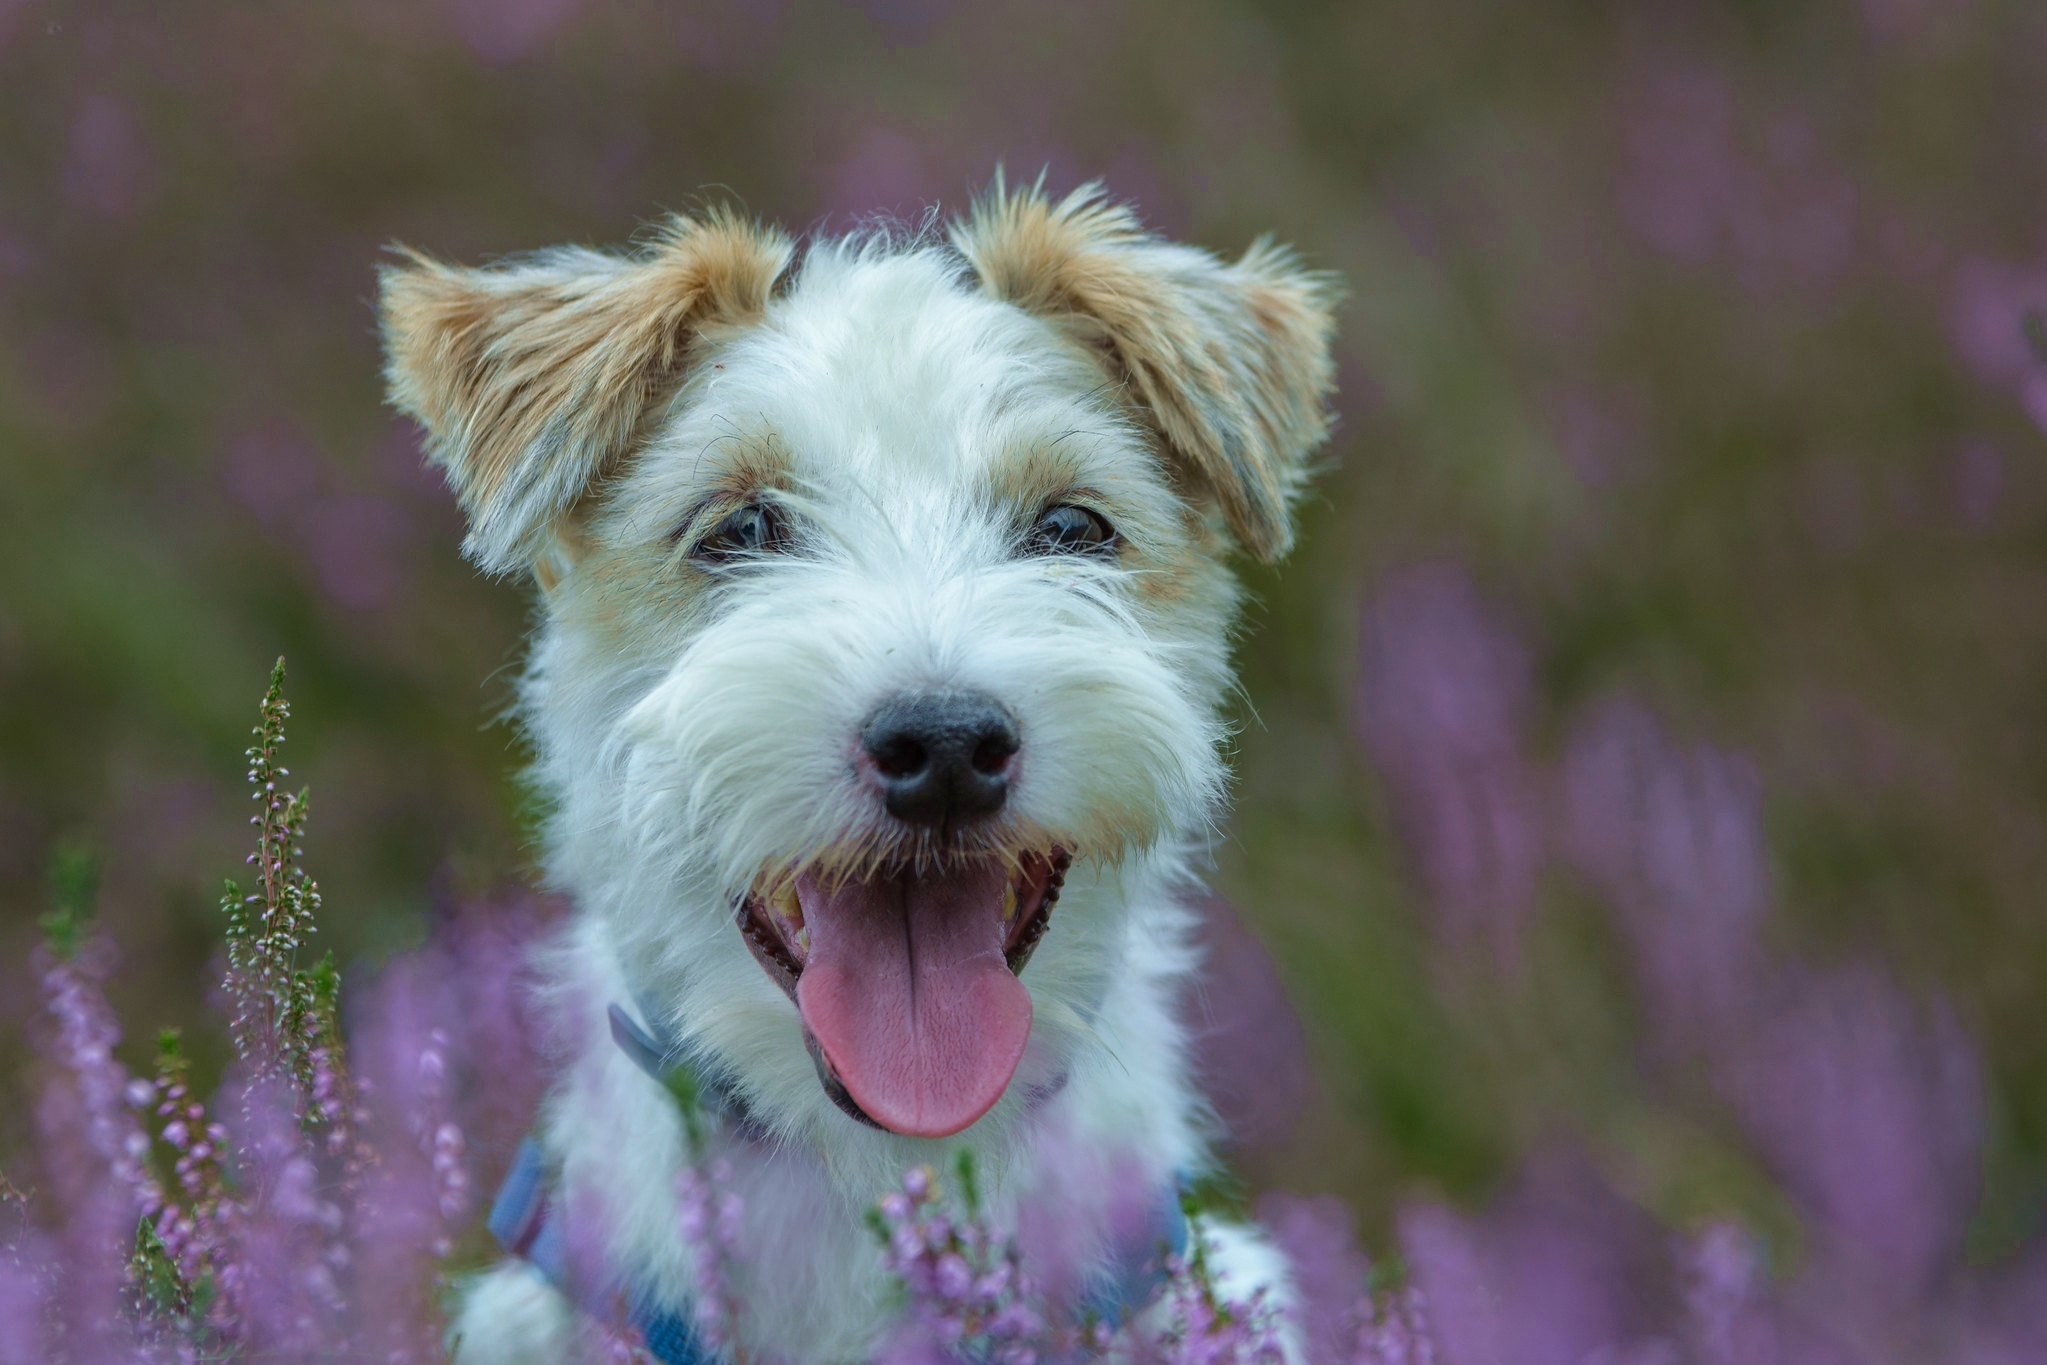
point(687, 1092)
point(970, 1184)
point(162, 1286)
point(74, 891)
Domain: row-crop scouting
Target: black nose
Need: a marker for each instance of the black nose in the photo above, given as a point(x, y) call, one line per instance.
point(943, 757)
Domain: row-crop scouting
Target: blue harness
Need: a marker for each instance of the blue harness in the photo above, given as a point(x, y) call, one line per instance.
point(523, 1220)
point(526, 1224)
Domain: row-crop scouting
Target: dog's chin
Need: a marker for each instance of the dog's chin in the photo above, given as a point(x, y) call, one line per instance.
point(907, 978)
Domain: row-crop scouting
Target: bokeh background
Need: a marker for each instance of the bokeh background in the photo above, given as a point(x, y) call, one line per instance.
point(1643, 770)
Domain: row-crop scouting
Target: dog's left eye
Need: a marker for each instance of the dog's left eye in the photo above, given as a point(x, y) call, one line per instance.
point(754, 529)
point(1069, 529)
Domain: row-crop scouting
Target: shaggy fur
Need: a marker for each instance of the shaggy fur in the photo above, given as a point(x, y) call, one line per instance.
point(530, 380)
point(908, 410)
point(1229, 362)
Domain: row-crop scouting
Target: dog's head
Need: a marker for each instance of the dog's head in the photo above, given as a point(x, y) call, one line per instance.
point(883, 598)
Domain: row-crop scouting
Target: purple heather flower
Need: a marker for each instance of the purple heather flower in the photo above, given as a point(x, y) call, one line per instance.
point(1674, 840)
point(1442, 701)
point(1556, 1273)
point(1707, 179)
point(1203, 1329)
point(1330, 1273)
point(286, 1300)
point(1725, 1290)
point(965, 1282)
point(92, 1146)
point(85, 1032)
point(1249, 1051)
point(1872, 1111)
point(2001, 1319)
point(1397, 1332)
point(710, 1215)
point(1998, 323)
point(24, 1294)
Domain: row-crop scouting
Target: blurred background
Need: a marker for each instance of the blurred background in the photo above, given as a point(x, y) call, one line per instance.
point(1643, 771)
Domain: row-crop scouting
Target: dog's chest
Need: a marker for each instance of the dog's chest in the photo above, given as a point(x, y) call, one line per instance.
point(798, 1267)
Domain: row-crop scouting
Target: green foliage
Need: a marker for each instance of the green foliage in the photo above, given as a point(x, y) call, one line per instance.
point(969, 1176)
point(1199, 1272)
point(160, 1287)
point(74, 891)
point(173, 1067)
point(687, 1092)
point(276, 1005)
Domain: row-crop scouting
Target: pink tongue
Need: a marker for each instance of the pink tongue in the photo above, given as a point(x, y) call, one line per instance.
point(907, 992)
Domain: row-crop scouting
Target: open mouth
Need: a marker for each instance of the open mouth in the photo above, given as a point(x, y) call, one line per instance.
point(907, 980)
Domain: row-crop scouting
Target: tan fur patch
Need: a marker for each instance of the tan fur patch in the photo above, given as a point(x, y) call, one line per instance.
point(1229, 362)
point(532, 378)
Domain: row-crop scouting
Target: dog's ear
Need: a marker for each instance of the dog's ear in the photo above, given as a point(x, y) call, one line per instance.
point(1229, 361)
point(533, 377)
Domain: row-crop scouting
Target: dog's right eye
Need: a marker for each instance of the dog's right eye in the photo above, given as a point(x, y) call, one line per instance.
point(1069, 529)
point(755, 529)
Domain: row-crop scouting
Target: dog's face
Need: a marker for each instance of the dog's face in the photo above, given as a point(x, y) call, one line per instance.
point(882, 602)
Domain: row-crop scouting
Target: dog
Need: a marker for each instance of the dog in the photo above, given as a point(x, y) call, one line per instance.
point(877, 696)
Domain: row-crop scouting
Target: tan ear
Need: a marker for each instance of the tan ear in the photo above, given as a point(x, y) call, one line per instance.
point(532, 377)
point(1229, 361)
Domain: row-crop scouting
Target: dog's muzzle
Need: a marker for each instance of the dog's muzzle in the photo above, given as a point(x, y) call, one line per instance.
point(907, 980)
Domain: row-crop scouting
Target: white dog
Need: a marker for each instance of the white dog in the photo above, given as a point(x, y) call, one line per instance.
point(884, 606)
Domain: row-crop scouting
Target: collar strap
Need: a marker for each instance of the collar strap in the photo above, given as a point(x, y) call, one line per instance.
point(527, 1223)
point(692, 1086)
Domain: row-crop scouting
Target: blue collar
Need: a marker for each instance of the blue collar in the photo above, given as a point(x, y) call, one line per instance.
point(693, 1085)
point(526, 1223)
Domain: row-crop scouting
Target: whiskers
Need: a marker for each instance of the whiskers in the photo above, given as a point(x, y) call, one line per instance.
point(887, 848)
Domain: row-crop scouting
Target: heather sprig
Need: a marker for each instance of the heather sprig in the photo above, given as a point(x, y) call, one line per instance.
point(965, 1285)
point(441, 1139)
point(79, 1285)
point(710, 1215)
point(270, 1220)
point(1393, 1329)
point(332, 1101)
point(1203, 1325)
point(193, 1228)
point(971, 1294)
point(85, 1034)
point(286, 1019)
point(273, 1001)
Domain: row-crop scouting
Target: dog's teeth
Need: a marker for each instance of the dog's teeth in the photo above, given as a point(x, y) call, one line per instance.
point(1009, 903)
point(788, 906)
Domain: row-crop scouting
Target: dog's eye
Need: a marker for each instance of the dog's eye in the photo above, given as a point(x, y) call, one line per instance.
point(754, 529)
point(1071, 530)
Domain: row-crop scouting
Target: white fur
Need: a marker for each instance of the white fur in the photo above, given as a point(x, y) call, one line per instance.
point(512, 1316)
point(692, 735)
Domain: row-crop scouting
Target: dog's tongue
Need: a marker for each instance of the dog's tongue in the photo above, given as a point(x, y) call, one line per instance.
point(907, 992)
